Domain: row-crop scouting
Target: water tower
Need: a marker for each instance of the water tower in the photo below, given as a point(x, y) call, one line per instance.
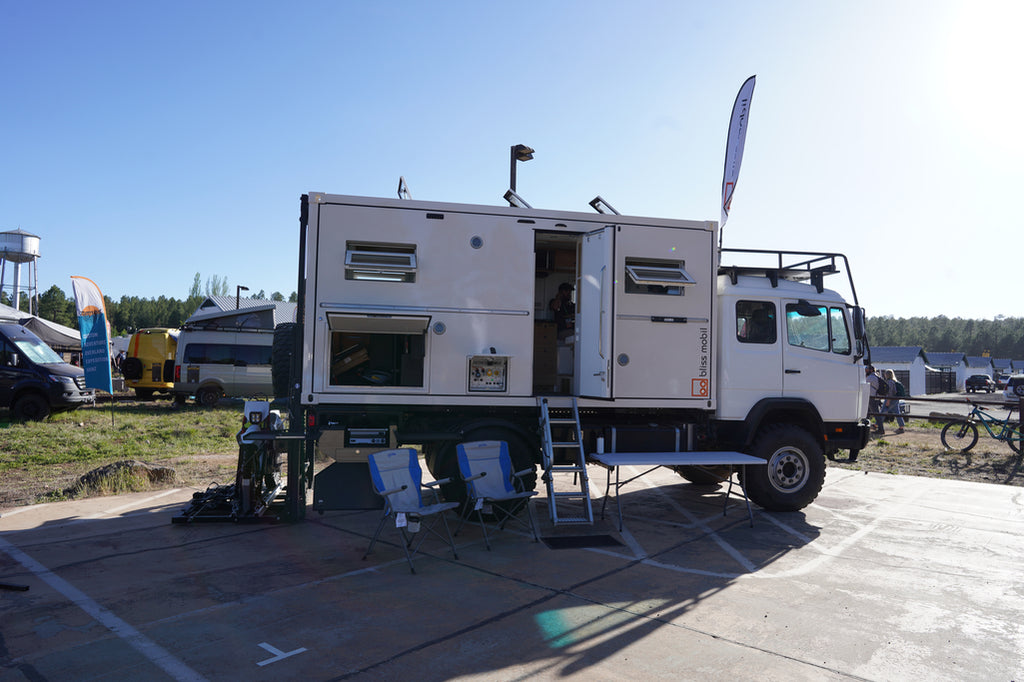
point(18, 247)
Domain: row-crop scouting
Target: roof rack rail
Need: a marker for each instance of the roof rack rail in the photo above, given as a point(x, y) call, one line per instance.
point(796, 266)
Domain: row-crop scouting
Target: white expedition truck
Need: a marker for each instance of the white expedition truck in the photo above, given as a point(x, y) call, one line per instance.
point(426, 324)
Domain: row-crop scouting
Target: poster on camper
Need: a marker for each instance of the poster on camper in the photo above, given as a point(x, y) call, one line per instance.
point(92, 325)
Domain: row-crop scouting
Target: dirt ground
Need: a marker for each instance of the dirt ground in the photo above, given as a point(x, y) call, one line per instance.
point(919, 452)
point(24, 487)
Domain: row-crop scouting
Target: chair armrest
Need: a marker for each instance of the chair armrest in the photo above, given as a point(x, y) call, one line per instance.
point(473, 478)
point(438, 482)
point(392, 491)
point(524, 472)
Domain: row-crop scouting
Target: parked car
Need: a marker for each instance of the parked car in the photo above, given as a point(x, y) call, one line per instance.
point(1001, 381)
point(980, 382)
point(34, 380)
point(1014, 390)
point(149, 366)
point(211, 364)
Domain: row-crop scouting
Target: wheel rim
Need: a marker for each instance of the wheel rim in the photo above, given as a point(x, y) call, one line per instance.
point(787, 469)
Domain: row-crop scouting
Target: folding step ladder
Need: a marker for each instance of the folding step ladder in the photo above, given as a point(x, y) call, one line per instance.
point(566, 506)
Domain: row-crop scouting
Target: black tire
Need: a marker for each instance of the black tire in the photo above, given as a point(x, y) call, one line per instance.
point(31, 407)
point(446, 464)
point(1014, 439)
point(208, 396)
point(795, 469)
point(1019, 390)
point(959, 436)
point(131, 369)
point(699, 476)
point(285, 340)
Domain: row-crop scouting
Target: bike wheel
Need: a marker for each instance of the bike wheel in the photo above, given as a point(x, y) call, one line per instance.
point(960, 436)
point(1014, 437)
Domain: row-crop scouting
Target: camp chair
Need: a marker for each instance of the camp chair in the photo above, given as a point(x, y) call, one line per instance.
point(486, 468)
point(397, 477)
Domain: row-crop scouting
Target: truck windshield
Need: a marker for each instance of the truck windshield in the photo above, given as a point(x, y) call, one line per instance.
point(37, 351)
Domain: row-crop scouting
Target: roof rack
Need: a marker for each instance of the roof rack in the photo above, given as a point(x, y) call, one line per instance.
point(796, 266)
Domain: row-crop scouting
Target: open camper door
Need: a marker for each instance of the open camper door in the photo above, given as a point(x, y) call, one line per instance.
point(595, 315)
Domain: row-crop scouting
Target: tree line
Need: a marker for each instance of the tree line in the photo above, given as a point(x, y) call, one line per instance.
point(1002, 337)
point(131, 313)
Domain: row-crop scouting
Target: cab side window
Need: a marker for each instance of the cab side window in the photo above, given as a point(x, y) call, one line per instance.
point(756, 322)
point(817, 328)
point(8, 356)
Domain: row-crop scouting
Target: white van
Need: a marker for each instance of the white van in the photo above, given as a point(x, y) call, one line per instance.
point(211, 364)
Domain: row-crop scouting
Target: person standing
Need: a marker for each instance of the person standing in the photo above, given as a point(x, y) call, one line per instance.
point(892, 406)
point(875, 405)
point(564, 310)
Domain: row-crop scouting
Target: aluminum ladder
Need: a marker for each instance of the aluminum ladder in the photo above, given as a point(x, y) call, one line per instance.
point(566, 506)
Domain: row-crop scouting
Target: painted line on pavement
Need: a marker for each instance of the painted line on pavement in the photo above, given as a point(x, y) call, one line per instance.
point(138, 641)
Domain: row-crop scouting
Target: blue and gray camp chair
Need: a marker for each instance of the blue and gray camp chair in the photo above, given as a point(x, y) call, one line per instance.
point(397, 477)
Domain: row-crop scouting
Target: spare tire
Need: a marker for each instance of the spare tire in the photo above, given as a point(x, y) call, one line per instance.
point(131, 368)
point(285, 341)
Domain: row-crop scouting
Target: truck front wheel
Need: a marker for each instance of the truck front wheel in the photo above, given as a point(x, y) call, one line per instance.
point(794, 471)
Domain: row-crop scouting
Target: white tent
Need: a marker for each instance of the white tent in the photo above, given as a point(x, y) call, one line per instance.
point(56, 336)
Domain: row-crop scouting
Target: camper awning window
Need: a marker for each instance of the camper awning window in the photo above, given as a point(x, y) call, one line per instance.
point(378, 324)
point(380, 262)
point(665, 274)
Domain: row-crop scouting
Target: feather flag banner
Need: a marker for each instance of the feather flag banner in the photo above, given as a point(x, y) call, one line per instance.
point(95, 331)
point(734, 145)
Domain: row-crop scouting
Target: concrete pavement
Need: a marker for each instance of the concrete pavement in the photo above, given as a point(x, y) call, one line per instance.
point(882, 578)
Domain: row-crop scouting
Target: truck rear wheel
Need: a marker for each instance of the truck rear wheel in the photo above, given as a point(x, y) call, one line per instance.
point(447, 464)
point(209, 396)
point(795, 469)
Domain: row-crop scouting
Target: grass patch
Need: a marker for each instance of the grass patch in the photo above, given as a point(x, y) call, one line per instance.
point(43, 460)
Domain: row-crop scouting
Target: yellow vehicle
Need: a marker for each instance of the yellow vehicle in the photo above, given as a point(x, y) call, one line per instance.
point(148, 367)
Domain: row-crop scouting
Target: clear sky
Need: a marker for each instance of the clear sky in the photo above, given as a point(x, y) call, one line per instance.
point(147, 141)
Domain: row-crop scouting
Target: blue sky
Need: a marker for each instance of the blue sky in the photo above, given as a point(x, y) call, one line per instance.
point(145, 142)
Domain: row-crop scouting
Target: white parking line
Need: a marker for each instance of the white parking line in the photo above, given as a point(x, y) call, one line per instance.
point(130, 505)
point(138, 641)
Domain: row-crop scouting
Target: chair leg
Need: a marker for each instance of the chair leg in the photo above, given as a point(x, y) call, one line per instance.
point(533, 520)
point(376, 534)
point(483, 528)
point(451, 538)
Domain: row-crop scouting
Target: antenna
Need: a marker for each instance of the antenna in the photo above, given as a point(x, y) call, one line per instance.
point(403, 188)
point(602, 206)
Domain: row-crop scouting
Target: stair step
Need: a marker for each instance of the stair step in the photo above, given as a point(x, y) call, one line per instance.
point(573, 520)
point(574, 495)
point(566, 444)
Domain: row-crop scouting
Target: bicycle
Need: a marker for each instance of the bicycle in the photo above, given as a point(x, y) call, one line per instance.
point(962, 435)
